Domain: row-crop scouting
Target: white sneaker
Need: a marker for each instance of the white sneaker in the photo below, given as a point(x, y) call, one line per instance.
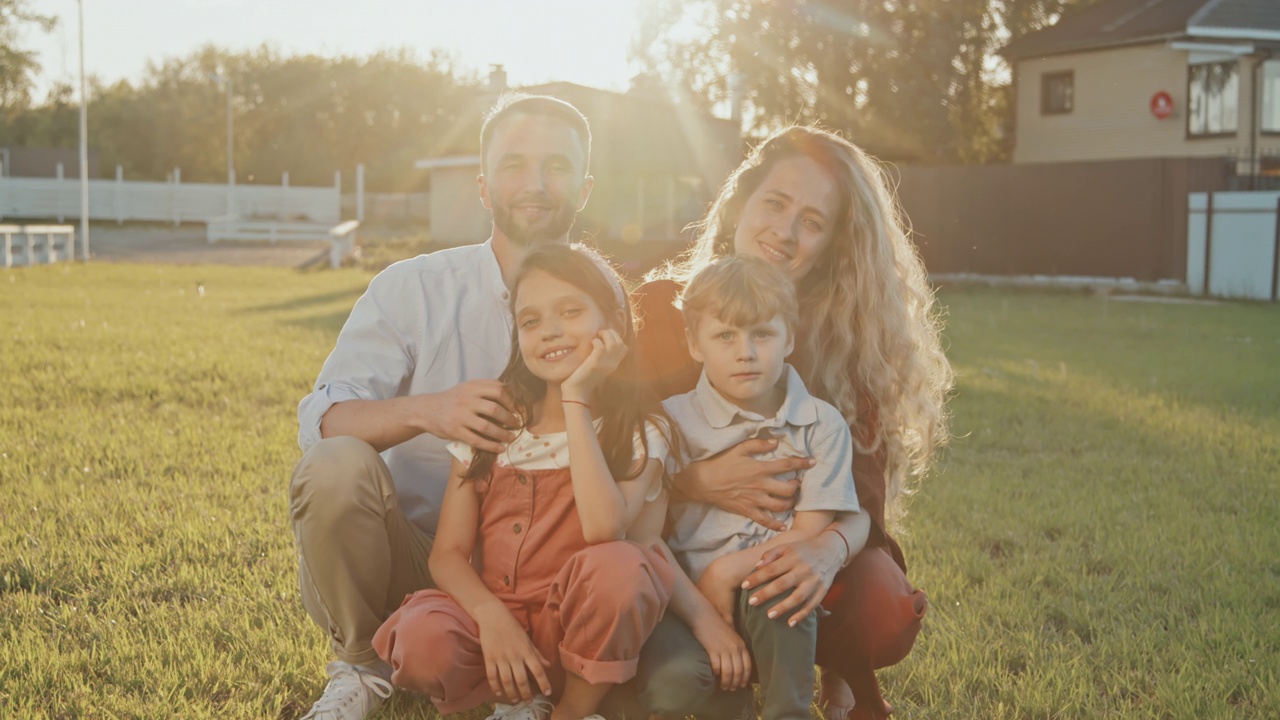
point(353, 693)
point(538, 708)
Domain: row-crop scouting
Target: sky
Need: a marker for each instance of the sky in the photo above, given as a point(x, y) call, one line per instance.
point(582, 41)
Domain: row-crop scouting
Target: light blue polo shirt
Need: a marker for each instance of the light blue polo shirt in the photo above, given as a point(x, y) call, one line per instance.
point(804, 426)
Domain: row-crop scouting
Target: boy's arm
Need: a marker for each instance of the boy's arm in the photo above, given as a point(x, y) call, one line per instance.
point(730, 660)
point(509, 656)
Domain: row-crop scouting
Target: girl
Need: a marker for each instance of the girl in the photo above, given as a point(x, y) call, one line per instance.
point(537, 600)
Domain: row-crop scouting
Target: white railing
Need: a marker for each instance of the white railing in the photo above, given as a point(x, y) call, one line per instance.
point(125, 201)
point(1233, 244)
point(29, 244)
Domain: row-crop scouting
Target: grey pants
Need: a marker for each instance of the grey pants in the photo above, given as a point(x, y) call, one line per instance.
point(674, 678)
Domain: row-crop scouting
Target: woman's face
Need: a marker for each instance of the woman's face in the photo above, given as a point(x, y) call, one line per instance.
point(789, 219)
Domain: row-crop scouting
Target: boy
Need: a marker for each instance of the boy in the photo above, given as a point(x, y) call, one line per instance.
point(740, 315)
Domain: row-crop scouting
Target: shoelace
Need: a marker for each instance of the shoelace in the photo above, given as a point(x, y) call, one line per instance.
point(536, 709)
point(344, 678)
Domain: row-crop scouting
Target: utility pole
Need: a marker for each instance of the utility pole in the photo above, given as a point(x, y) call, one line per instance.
point(84, 147)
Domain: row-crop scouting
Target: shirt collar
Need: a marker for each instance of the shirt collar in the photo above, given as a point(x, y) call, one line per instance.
point(798, 407)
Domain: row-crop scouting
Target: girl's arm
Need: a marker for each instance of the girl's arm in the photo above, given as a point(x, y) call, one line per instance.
point(611, 511)
point(509, 656)
point(730, 660)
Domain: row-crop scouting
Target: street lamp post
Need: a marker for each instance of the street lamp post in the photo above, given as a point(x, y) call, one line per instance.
point(84, 148)
point(225, 82)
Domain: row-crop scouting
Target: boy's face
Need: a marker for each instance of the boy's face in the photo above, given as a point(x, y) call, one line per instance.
point(743, 363)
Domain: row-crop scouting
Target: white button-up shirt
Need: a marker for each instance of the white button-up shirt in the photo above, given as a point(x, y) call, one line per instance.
point(423, 326)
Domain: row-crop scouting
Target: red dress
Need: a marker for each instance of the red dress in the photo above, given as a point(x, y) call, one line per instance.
point(875, 612)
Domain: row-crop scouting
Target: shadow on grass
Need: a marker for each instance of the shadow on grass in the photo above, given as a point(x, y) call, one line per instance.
point(308, 302)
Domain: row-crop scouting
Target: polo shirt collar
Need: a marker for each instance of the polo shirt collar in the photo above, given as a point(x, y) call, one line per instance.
point(798, 407)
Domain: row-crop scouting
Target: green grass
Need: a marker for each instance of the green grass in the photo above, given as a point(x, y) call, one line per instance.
point(1101, 540)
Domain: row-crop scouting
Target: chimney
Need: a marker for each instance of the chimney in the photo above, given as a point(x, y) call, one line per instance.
point(497, 79)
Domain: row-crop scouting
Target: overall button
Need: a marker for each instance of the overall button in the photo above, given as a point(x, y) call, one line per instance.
point(506, 579)
point(522, 479)
point(517, 528)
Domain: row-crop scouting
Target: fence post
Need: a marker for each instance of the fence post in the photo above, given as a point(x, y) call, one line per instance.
point(1208, 240)
point(173, 197)
point(359, 192)
point(1275, 257)
point(57, 198)
point(119, 195)
point(283, 212)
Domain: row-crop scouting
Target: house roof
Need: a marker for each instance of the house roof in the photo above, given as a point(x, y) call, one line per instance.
point(1130, 22)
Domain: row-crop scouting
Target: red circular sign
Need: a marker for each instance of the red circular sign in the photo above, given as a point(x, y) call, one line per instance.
point(1162, 105)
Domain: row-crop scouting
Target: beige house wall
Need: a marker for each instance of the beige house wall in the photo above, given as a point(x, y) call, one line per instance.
point(1111, 118)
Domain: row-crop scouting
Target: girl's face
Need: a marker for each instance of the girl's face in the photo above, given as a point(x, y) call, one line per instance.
point(789, 219)
point(556, 322)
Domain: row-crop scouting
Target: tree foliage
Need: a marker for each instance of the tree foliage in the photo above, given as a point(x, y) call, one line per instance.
point(16, 65)
point(304, 114)
point(910, 79)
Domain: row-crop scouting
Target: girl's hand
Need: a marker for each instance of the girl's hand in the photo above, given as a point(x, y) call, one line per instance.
point(607, 351)
point(806, 568)
point(730, 660)
point(736, 482)
point(510, 658)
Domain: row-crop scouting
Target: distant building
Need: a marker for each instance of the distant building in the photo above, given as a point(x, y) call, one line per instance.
point(1126, 79)
point(38, 162)
point(656, 165)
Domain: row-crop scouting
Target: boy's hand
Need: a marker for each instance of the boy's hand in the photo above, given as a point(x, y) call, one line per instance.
point(718, 587)
point(510, 657)
point(607, 352)
point(730, 660)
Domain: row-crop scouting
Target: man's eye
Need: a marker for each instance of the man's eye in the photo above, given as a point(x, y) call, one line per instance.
point(528, 324)
point(773, 203)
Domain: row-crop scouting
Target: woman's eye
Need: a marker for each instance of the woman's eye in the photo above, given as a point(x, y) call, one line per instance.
point(813, 225)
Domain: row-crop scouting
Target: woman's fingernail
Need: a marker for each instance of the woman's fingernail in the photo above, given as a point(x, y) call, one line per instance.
point(791, 623)
point(753, 601)
point(773, 614)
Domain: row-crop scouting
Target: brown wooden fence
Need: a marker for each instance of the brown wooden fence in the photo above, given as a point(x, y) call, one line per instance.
point(1124, 218)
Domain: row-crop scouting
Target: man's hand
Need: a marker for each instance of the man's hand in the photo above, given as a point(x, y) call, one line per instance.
point(730, 660)
point(510, 657)
point(736, 482)
point(477, 412)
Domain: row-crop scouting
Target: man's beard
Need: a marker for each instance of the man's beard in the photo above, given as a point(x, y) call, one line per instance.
point(548, 230)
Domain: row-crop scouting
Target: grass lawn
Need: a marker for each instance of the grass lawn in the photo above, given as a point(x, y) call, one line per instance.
point(1101, 540)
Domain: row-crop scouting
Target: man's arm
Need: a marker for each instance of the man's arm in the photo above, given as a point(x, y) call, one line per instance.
point(474, 412)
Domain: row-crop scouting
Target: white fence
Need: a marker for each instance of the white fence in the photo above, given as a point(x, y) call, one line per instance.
point(1233, 244)
point(176, 202)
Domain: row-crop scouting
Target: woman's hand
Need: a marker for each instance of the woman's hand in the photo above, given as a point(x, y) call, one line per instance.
point(730, 660)
point(607, 351)
point(806, 568)
point(510, 657)
point(736, 482)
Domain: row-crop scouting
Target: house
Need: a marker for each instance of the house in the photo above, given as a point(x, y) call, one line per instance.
point(1125, 79)
point(657, 165)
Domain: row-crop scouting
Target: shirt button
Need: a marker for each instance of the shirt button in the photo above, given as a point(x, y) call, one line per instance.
point(517, 528)
point(506, 295)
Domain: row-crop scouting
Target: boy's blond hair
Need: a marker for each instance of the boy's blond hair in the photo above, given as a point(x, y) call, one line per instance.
point(740, 291)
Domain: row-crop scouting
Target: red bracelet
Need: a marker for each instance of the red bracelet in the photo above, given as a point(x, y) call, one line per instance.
point(588, 407)
point(848, 553)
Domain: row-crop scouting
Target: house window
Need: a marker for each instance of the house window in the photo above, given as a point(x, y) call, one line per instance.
point(1213, 90)
point(1057, 93)
point(1271, 96)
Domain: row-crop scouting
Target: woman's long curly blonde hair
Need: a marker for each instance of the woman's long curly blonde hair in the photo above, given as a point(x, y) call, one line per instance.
point(870, 338)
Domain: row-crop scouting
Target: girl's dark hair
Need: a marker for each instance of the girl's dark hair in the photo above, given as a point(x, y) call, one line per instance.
point(624, 403)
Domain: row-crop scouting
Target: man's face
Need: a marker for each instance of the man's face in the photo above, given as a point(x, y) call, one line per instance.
point(534, 178)
point(743, 363)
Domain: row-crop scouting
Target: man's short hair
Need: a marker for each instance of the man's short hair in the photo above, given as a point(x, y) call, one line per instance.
point(511, 104)
point(740, 291)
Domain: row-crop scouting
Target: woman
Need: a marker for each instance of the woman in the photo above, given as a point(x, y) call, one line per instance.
point(821, 209)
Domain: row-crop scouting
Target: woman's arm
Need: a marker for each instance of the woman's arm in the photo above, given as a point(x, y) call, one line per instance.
point(509, 655)
point(738, 483)
point(809, 566)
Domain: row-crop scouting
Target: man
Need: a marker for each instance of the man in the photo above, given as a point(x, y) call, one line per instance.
point(413, 368)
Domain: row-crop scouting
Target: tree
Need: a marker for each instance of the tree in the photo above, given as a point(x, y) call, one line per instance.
point(16, 65)
point(908, 79)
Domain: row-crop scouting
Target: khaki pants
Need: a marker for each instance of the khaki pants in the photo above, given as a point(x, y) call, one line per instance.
point(358, 556)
